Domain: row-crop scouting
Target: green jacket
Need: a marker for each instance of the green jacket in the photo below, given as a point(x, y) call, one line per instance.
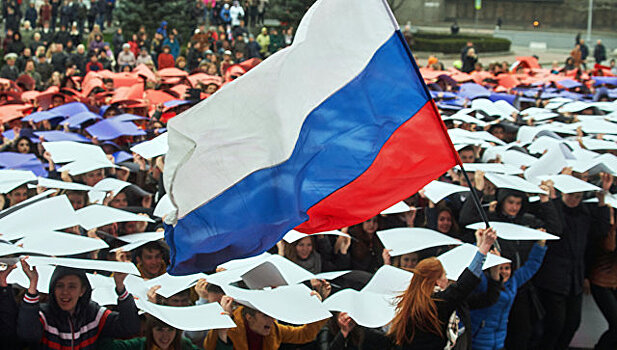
point(140, 344)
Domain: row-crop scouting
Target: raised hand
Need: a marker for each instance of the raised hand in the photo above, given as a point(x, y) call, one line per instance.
point(31, 273)
point(4, 274)
point(200, 288)
point(151, 294)
point(345, 323)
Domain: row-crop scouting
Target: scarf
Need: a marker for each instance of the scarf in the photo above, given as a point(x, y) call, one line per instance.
point(312, 263)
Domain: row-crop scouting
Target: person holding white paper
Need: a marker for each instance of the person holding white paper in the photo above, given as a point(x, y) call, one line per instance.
point(513, 207)
point(8, 311)
point(53, 325)
point(151, 259)
point(159, 336)
point(563, 276)
point(366, 248)
point(257, 331)
point(342, 332)
point(425, 314)
point(304, 252)
point(16, 196)
point(489, 325)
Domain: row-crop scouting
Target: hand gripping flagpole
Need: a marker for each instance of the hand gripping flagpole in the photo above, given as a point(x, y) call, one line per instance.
point(474, 194)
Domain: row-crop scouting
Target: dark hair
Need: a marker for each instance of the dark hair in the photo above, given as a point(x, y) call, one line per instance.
point(30, 144)
point(152, 322)
point(355, 337)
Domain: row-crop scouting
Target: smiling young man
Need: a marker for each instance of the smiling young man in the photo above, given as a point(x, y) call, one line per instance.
point(70, 320)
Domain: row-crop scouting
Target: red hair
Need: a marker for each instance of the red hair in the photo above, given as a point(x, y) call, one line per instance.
point(416, 308)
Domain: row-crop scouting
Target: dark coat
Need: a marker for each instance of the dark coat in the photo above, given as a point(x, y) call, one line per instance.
point(447, 301)
point(563, 270)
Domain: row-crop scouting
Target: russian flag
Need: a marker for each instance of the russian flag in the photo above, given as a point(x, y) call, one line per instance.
point(323, 134)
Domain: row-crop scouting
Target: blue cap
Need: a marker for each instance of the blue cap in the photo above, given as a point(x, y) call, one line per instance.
point(57, 135)
point(20, 161)
point(76, 120)
point(110, 129)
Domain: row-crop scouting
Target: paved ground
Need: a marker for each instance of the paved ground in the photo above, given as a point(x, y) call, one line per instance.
point(559, 43)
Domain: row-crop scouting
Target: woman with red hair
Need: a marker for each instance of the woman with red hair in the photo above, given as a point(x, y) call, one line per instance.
point(425, 314)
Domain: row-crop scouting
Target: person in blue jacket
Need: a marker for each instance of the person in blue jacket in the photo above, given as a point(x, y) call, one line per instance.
point(489, 325)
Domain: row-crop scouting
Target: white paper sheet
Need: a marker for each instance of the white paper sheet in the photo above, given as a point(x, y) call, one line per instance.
point(153, 148)
point(510, 231)
point(86, 264)
point(105, 296)
point(291, 272)
point(332, 275)
point(18, 277)
point(389, 281)
point(237, 263)
point(549, 164)
point(50, 183)
point(518, 159)
point(68, 151)
point(569, 184)
point(597, 145)
point(367, 309)
point(455, 261)
point(512, 182)
point(108, 184)
point(292, 304)
point(189, 318)
point(98, 215)
point(492, 168)
point(294, 235)
point(129, 247)
point(60, 244)
point(400, 207)
point(144, 236)
point(435, 191)
point(171, 285)
point(404, 240)
point(51, 214)
point(83, 166)
point(163, 207)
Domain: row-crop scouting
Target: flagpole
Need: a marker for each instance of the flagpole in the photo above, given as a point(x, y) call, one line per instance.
point(474, 195)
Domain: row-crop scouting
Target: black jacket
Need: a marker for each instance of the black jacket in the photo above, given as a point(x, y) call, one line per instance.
point(53, 328)
point(563, 270)
point(447, 302)
point(8, 319)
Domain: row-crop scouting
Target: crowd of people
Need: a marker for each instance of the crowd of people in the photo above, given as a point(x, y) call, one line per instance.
point(83, 157)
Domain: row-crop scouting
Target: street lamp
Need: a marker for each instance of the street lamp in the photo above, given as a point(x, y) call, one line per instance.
point(589, 19)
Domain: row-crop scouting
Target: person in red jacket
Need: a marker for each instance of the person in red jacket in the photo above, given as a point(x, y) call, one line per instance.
point(94, 65)
point(165, 59)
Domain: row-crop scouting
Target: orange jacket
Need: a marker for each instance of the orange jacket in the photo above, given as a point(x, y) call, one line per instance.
point(278, 335)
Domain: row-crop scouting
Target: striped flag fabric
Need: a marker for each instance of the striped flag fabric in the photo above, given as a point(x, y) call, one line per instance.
point(323, 134)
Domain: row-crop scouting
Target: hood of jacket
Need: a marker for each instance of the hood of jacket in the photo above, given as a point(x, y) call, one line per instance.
point(84, 300)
